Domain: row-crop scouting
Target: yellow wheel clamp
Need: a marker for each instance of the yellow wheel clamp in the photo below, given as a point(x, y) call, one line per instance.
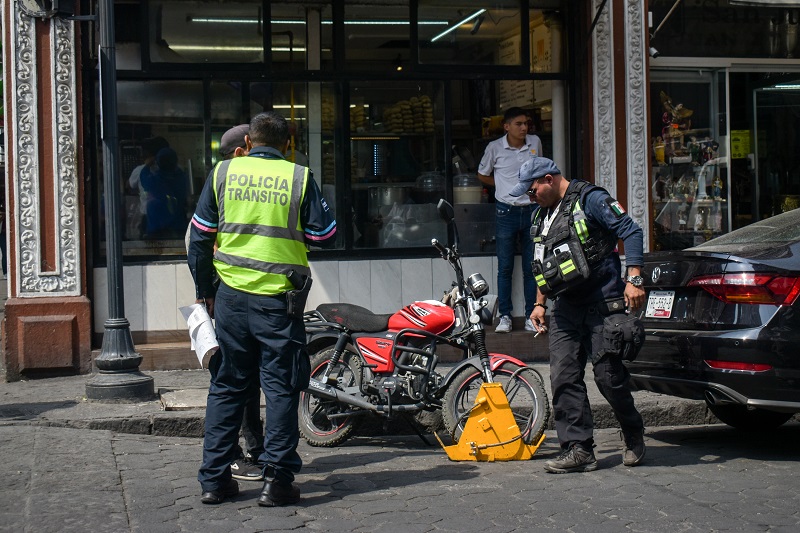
point(491, 432)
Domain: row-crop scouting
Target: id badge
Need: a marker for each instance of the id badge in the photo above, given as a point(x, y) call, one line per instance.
point(538, 252)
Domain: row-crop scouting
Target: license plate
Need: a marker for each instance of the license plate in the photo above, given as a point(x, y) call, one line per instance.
point(659, 304)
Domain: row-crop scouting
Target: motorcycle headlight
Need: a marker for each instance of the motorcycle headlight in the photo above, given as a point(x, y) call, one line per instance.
point(477, 285)
point(489, 311)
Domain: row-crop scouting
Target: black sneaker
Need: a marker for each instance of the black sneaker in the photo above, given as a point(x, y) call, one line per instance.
point(573, 459)
point(634, 448)
point(246, 470)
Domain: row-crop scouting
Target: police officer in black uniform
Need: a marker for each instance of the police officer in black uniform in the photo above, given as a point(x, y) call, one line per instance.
point(575, 232)
point(261, 211)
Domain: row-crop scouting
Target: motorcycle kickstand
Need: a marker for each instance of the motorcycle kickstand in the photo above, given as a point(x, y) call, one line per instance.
point(411, 422)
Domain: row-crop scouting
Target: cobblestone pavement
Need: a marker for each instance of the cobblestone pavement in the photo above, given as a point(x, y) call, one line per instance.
point(695, 479)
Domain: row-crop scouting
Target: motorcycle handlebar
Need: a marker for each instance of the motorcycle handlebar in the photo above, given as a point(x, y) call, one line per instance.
point(442, 249)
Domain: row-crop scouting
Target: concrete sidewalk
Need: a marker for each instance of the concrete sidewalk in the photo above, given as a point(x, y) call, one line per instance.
point(179, 409)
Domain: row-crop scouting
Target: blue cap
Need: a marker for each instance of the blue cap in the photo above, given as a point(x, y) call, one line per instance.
point(532, 170)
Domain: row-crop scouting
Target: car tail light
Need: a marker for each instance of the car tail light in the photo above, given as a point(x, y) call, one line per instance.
point(736, 365)
point(750, 288)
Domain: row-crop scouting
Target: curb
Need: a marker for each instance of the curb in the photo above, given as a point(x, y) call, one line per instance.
point(662, 412)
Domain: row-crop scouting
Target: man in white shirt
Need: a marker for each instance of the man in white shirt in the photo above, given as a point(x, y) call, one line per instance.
point(500, 168)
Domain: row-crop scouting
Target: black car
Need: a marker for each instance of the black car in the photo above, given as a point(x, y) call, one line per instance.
point(723, 324)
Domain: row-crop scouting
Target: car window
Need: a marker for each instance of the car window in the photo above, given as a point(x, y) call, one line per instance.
point(783, 228)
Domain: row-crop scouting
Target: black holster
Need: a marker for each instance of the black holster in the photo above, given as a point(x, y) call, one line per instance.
point(296, 299)
point(623, 336)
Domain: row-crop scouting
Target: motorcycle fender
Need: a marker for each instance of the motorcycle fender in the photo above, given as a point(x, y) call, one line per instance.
point(496, 360)
point(316, 342)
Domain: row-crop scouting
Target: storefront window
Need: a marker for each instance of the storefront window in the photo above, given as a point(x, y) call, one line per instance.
point(377, 36)
point(383, 143)
point(723, 28)
point(470, 32)
point(690, 182)
point(202, 32)
point(398, 158)
point(162, 163)
point(289, 46)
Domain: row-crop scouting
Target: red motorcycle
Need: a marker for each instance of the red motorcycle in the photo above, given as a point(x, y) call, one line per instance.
point(386, 364)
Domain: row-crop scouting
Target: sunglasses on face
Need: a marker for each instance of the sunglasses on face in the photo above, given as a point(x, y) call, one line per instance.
point(532, 192)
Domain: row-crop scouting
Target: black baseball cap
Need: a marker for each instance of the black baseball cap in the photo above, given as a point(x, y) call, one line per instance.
point(233, 139)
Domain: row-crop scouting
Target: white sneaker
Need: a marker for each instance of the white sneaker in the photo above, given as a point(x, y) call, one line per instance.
point(529, 326)
point(504, 326)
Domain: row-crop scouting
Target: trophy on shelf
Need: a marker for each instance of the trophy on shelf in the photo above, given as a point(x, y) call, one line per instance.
point(676, 123)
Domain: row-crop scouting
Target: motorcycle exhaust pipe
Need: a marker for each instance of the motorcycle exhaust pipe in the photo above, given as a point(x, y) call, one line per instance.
point(328, 392)
point(324, 390)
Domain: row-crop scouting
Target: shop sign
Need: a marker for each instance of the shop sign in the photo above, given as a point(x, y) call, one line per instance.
point(740, 143)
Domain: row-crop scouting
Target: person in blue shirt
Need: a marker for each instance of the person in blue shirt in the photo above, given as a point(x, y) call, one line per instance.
point(166, 187)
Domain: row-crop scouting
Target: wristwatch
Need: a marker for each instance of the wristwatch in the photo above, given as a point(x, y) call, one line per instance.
point(636, 281)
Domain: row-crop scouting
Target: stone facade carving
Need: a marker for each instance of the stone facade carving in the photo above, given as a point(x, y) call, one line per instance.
point(636, 92)
point(603, 99)
point(64, 278)
point(635, 102)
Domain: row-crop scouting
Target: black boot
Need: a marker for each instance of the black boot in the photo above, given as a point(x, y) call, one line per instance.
point(213, 497)
point(276, 494)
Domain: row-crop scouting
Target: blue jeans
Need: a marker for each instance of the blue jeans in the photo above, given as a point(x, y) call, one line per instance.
point(512, 224)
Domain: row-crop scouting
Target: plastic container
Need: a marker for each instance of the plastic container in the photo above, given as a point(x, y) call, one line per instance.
point(429, 188)
point(467, 189)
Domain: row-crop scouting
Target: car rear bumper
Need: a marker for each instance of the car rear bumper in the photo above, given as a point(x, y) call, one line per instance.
point(712, 393)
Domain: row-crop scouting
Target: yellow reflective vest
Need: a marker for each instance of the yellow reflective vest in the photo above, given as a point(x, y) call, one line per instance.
point(260, 236)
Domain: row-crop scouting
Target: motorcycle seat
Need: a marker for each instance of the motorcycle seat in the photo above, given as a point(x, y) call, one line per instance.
point(354, 317)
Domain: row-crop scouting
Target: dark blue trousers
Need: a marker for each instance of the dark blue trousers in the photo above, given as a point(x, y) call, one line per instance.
point(256, 337)
point(576, 337)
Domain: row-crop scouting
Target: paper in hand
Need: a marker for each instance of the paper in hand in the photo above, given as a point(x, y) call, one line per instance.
point(201, 332)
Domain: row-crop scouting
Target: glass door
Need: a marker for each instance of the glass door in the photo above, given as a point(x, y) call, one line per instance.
point(776, 143)
point(689, 165)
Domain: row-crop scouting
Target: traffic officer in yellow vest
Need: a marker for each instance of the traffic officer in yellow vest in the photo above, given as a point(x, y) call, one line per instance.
point(575, 231)
point(261, 211)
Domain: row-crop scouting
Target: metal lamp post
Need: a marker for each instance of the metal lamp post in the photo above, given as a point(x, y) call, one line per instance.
point(119, 377)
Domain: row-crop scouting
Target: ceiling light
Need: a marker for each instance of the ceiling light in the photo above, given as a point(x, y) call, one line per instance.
point(784, 87)
point(251, 20)
point(215, 48)
point(398, 63)
point(224, 20)
point(458, 24)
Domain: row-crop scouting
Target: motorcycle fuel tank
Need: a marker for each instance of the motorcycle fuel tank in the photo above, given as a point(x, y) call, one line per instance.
point(429, 315)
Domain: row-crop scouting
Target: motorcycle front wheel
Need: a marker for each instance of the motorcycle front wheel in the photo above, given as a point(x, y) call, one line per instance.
point(523, 387)
point(318, 426)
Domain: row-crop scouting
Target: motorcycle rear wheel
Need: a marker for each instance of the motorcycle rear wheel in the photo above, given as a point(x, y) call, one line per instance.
point(523, 387)
point(315, 426)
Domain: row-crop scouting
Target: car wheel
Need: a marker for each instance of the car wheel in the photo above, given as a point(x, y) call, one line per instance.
point(749, 418)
